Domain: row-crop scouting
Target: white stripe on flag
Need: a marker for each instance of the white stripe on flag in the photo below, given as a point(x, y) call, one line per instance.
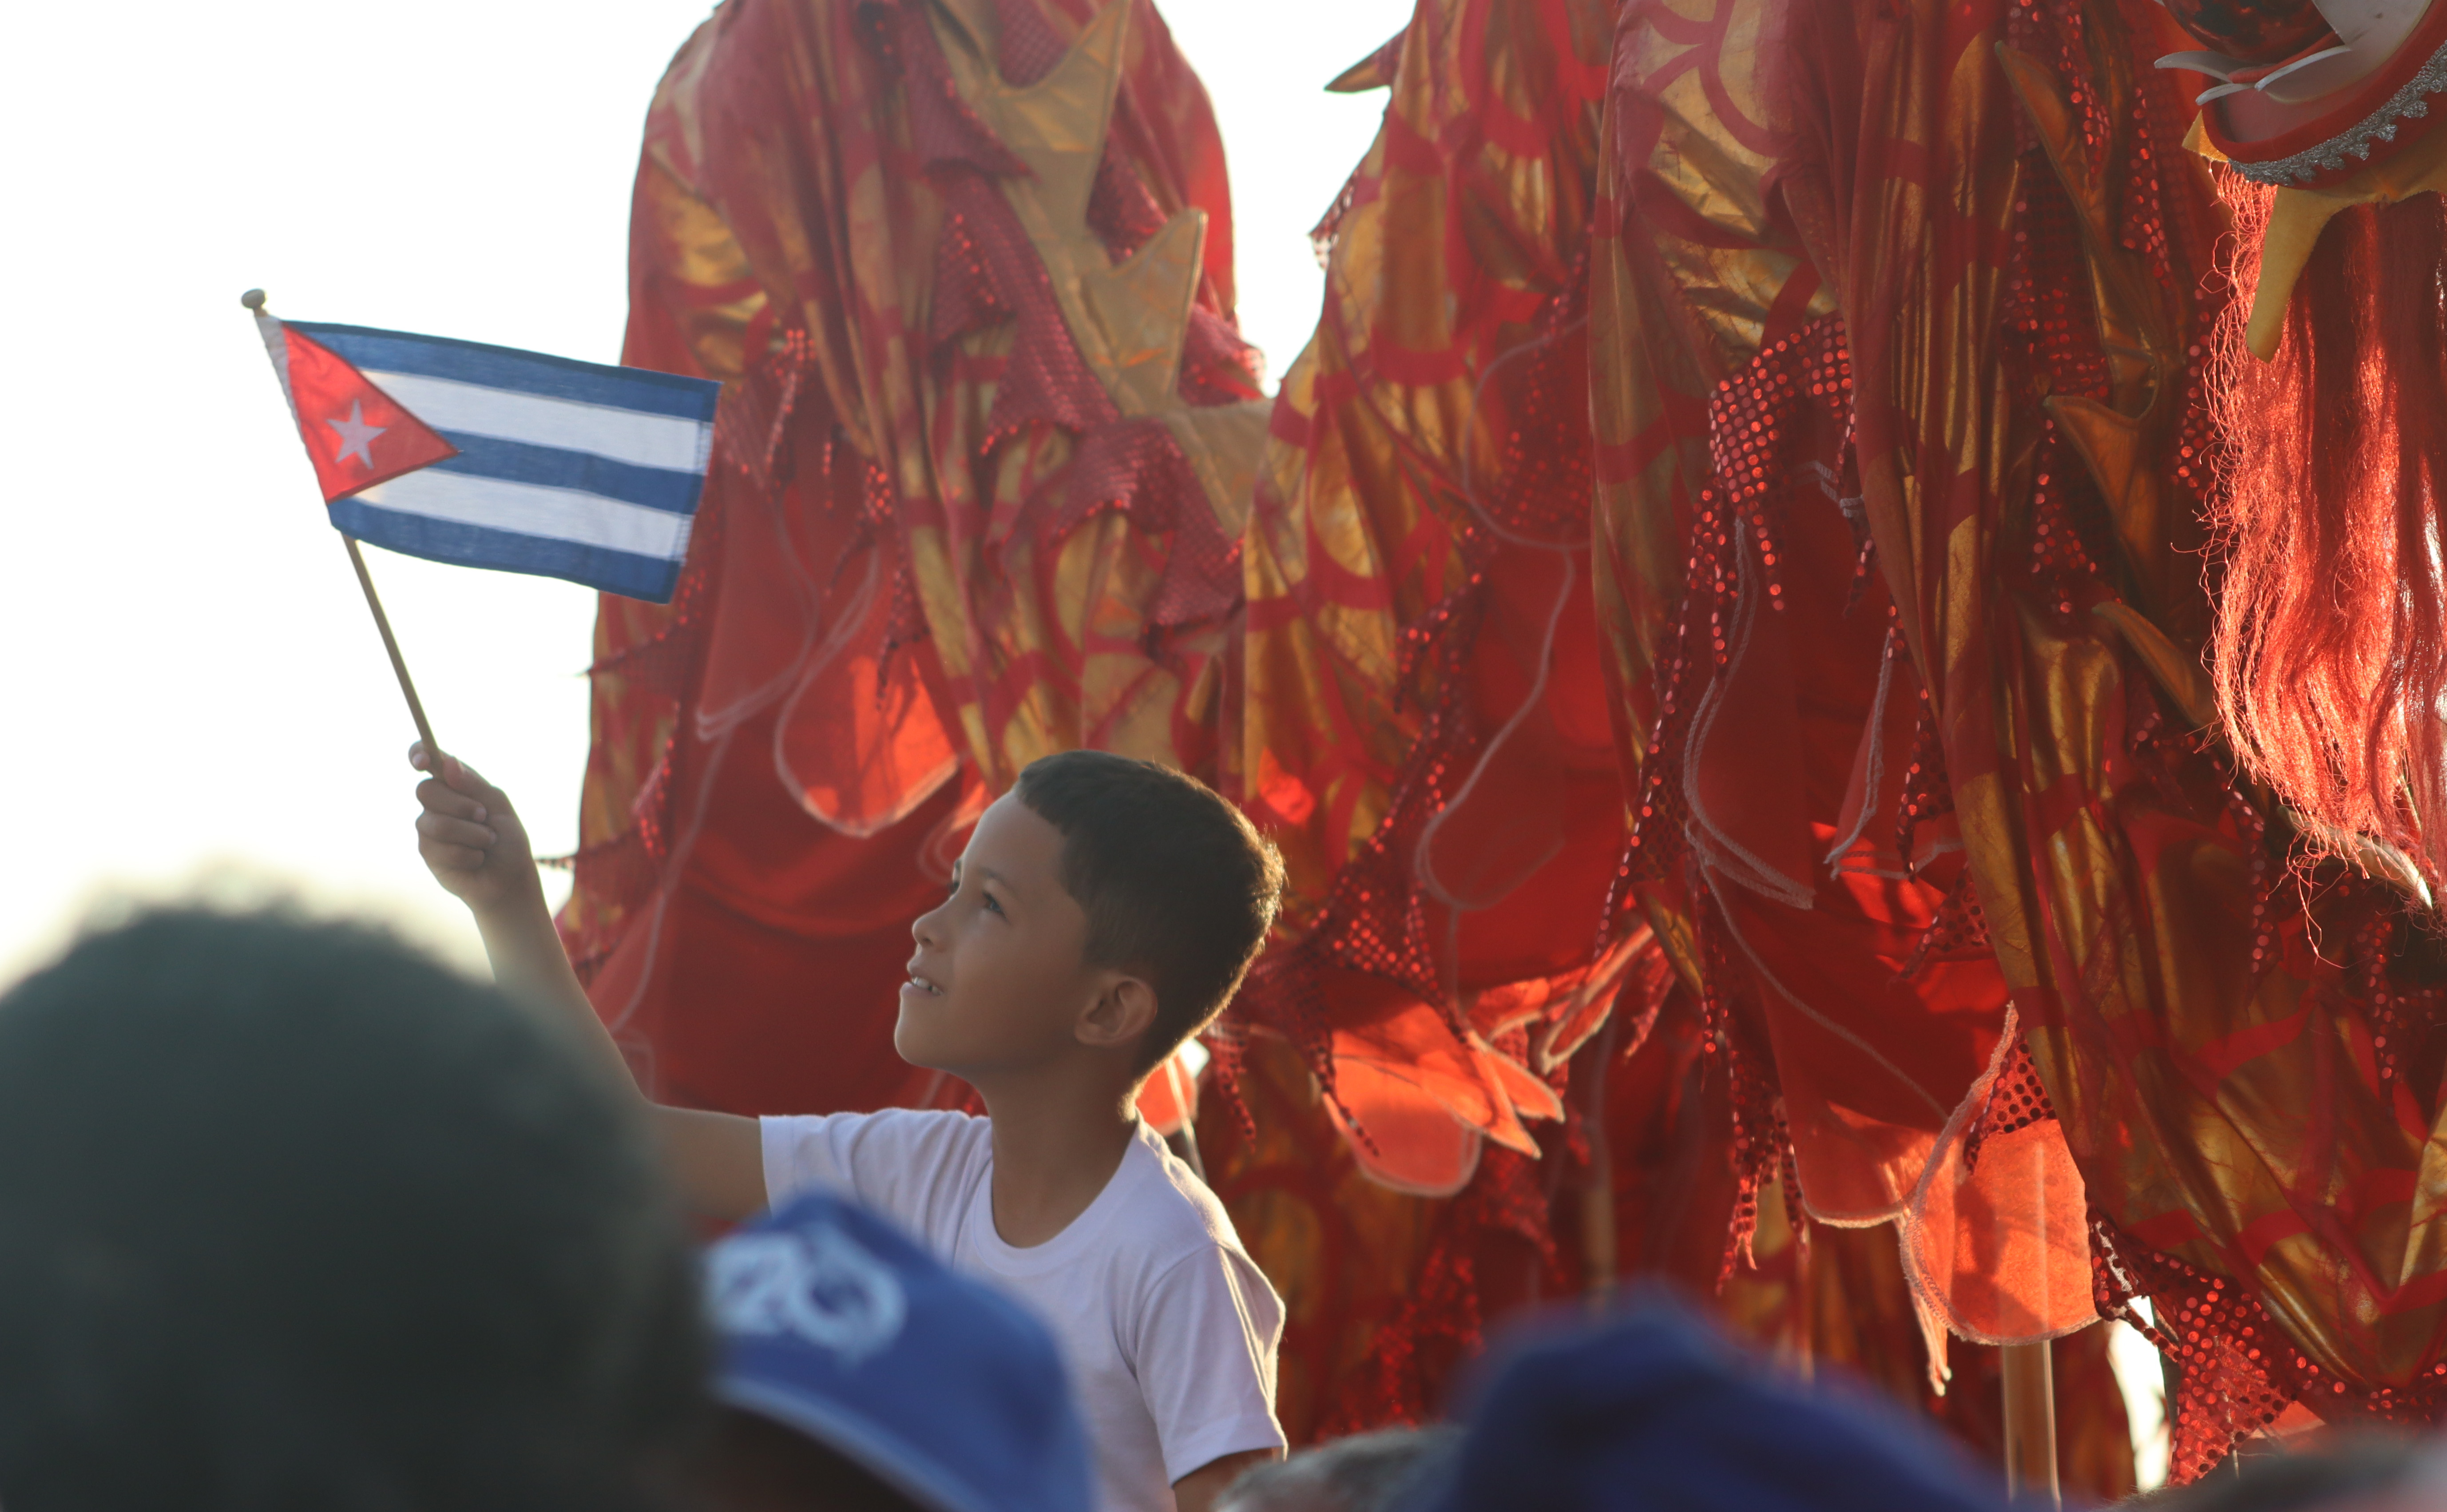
point(505, 414)
point(529, 509)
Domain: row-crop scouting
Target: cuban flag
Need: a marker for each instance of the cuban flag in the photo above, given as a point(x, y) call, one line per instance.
point(486, 457)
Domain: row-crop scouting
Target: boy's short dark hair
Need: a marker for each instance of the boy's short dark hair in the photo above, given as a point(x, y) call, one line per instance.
point(292, 1217)
point(1176, 883)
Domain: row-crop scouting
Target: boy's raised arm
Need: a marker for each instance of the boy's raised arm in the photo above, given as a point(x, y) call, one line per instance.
point(473, 844)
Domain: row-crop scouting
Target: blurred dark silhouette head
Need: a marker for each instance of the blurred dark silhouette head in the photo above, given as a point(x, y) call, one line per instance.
point(292, 1217)
point(1366, 1472)
point(1653, 1407)
point(757, 1464)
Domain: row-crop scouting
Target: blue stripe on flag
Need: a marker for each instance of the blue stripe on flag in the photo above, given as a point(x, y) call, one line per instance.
point(652, 578)
point(532, 372)
point(654, 487)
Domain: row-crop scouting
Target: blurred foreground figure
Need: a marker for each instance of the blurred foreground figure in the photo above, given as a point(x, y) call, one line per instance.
point(293, 1217)
point(1366, 1472)
point(1652, 1410)
point(859, 1375)
point(2366, 1472)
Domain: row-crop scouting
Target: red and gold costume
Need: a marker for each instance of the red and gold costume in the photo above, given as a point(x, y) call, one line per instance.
point(1423, 705)
point(1714, 621)
point(1943, 274)
point(977, 497)
point(1427, 735)
point(1422, 730)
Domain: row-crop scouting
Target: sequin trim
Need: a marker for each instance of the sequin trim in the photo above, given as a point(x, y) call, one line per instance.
point(2409, 103)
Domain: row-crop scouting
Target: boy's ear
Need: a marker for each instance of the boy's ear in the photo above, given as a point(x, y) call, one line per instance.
point(1123, 1011)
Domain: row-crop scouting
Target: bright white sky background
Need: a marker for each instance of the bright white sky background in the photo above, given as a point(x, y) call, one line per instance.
point(191, 697)
point(191, 693)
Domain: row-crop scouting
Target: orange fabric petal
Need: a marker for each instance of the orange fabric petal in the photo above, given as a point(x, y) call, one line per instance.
point(1406, 1137)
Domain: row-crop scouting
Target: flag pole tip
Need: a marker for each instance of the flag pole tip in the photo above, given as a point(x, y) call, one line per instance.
point(253, 299)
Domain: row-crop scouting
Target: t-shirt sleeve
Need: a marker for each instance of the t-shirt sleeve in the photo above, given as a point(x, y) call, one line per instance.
point(914, 1166)
point(1205, 1359)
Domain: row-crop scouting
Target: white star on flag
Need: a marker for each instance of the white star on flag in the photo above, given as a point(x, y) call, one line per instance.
point(356, 435)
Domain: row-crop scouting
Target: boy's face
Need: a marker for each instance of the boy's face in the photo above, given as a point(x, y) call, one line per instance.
point(1000, 980)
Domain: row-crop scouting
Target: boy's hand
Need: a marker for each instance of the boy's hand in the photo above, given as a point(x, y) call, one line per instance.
point(469, 836)
point(472, 839)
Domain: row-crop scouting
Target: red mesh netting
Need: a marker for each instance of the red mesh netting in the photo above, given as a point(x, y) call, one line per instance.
point(1441, 1324)
point(2015, 1101)
point(1761, 423)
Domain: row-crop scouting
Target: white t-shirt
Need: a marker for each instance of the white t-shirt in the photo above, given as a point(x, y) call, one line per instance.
point(1168, 1328)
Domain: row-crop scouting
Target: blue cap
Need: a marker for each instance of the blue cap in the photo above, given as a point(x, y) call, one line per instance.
point(835, 1325)
point(1653, 1410)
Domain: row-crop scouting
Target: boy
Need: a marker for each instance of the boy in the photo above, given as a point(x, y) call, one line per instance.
point(1105, 910)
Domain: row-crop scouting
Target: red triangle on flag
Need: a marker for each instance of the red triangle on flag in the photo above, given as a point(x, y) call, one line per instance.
point(356, 435)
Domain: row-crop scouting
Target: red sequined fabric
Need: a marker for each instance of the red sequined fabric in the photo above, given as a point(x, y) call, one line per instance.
point(2216, 1046)
point(1422, 728)
point(1777, 631)
point(1804, 696)
point(2015, 1101)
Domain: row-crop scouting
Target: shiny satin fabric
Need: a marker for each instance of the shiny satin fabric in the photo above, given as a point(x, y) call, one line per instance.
point(1422, 731)
point(1426, 732)
point(1421, 728)
point(1774, 672)
point(979, 475)
point(1988, 206)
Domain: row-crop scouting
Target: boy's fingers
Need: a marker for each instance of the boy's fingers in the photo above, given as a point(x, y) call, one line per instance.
point(441, 800)
point(453, 773)
point(443, 829)
point(444, 857)
point(467, 779)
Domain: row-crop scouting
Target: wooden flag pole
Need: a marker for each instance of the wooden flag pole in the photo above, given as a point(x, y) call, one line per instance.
point(2031, 1421)
point(2029, 1388)
point(398, 664)
point(253, 299)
